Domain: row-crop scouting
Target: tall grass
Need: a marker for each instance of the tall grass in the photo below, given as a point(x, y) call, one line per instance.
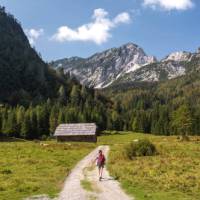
point(28, 168)
point(173, 174)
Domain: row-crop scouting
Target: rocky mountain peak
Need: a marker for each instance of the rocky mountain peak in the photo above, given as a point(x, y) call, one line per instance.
point(74, 58)
point(198, 50)
point(130, 46)
point(101, 69)
point(178, 56)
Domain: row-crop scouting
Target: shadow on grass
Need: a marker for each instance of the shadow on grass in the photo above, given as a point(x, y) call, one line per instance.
point(109, 179)
point(107, 133)
point(11, 139)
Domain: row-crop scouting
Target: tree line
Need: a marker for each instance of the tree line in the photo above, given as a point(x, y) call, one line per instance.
point(37, 121)
point(140, 116)
point(167, 108)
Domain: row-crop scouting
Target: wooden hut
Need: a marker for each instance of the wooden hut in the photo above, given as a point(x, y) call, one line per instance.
point(80, 132)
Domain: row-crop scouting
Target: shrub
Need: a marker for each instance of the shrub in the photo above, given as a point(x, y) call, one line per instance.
point(114, 133)
point(2, 189)
point(109, 133)
point(44, 137)
point(6, 171)
point(142, 147)
point(183, 138)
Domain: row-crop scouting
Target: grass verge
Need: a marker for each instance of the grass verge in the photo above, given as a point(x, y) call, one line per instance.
point(87, 185)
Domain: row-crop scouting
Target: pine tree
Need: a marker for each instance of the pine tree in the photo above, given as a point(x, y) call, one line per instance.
point(1, 120)
point(42, 120)
point(33, 121)
point(61, 117)
point(20, 112)
point(84, 93)
point(62, 97)
point(182, 121)
point(115, 120)
point(25, 126)
point(11, 124)
point(4, 120)
point(53, 120)
point(75, 96)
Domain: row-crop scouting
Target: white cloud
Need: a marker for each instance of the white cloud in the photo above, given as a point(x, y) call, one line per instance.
point(122, 18)
point(33, 34)
point(97, 31)
point(170, 4)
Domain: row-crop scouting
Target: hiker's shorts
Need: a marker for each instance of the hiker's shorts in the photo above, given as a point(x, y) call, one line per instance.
point(100, 165)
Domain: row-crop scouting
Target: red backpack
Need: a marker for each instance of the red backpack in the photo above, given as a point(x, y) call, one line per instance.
point(101, 159)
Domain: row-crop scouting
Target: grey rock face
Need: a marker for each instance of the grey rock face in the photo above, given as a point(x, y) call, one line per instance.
point(178, 56)
point(128, 63)
point(101, 69)
point(154, 72)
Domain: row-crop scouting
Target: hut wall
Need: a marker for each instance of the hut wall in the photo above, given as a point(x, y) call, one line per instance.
point(77, 138)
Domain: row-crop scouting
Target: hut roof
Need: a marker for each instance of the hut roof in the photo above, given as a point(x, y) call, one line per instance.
point(75, 129)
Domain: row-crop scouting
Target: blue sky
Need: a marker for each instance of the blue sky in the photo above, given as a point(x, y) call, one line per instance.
point(66, 28)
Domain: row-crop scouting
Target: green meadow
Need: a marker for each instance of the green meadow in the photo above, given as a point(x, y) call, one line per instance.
point(30, 168)
point(173, 174)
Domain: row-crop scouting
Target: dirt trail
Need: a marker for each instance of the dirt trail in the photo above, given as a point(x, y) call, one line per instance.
point(107, 189)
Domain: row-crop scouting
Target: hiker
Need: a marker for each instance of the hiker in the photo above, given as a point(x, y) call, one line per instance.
point(100, 160)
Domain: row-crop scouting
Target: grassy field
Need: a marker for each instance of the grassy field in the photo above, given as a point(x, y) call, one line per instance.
point(172, 175)
point(29, 168)
point(32, 168)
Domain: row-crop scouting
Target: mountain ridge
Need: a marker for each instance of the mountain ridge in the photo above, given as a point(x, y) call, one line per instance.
point(128, 62)
point(101, 69)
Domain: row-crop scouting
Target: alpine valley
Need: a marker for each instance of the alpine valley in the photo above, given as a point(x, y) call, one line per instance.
point(125, 65)
point(136, 92)
point(146, 110)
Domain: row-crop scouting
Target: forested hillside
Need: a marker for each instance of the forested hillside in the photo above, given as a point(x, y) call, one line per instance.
point(170, 107)
point(24, 77)
point(34, 98)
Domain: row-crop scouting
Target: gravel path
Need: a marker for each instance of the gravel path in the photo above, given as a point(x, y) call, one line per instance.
point(107, 189)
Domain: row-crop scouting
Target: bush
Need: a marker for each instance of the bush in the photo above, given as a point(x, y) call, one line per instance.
point(110, 133)
point(142, 147)
point(44, 137)
point(6, 171)
point(183, 138)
